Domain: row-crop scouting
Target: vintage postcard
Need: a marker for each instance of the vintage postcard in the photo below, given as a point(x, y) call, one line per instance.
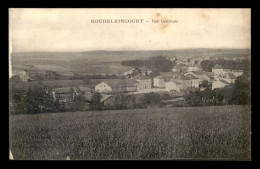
point(130, 84)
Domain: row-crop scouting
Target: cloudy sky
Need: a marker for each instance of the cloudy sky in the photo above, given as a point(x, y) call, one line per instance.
point(71, 30)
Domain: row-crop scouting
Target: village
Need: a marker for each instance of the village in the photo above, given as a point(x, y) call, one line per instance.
point(185, 75)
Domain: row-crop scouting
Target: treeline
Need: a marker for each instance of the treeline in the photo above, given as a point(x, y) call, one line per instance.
point(156, 64)
point(238, 93)
point(130, 101)
point(50, 75)
point(39, 99)
point(244, 65)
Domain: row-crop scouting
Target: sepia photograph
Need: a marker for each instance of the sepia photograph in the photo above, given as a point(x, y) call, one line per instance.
point(130, 84)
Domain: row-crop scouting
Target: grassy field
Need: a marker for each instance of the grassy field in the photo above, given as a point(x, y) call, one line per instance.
point(219, 133)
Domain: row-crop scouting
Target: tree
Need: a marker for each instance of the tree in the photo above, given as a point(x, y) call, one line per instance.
point(40, 99)
point(165, 96)
point(150, 99)
point(241, 91)
point(194, 98)
point(205, 84)
point(207, 65)
point(121, 100)
point(78, 103)
point(96, 101)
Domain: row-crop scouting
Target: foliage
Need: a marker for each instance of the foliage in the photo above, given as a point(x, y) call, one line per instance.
point(244, 65)
point(150, 99)
point(237, 93)
point(156, 64)
point(96, 101)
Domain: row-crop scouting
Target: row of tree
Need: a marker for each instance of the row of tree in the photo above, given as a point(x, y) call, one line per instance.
point(238, 93)
point(244, 65)
point(156, 64)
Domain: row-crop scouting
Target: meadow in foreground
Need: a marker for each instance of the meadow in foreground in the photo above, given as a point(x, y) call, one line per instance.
point(214, 133)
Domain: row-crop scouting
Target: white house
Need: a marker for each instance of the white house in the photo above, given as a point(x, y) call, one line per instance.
point(219, 84)
point(194, 80)
point(103, 87)
point(144, 82)
point(173, 85)
point(228, 77)
point(217, 69)
point(199, 74)
point(158, 81)
point(116, 85)
point(193, 68)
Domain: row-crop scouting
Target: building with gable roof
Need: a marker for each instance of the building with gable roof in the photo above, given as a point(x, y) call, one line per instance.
point(173, 85)
point(200, 75)
point(219, 84)
point(217, 69)
point(116, 85)
point(228, 77)
point(144, 82)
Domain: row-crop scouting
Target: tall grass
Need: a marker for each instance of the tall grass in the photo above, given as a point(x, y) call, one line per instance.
point(167, 133)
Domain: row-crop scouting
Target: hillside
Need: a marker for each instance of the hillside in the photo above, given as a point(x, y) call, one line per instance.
point(216, 133)
point(106, 61)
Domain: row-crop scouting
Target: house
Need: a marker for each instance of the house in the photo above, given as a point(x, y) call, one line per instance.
point(84, 91)
point(194, 80)
point(158, 81)
point(237, 72)
point(116, 85)
point(217, 69)
point(184, 68)
point(227, 71)
point(63, 94)
point(173, 85)
point(107, 100)
point(176, 68)
point(103, 87)
point(194, 68)
point(199, 74)
point(162, 78)
point(186, 82)
point(144, 82)
point(229, 77)
point(219, 84)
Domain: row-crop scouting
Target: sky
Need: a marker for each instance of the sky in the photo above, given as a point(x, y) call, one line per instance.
point(70, 29)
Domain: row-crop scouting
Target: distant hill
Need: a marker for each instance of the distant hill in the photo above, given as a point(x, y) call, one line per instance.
point(126, 55)
point(67, 61)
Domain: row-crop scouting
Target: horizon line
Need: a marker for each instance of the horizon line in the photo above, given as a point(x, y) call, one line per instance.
point(78, 51)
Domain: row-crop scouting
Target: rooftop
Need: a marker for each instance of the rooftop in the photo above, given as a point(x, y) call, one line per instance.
point(182, 77)
point(119, 83)
point(105, 97)
point(199, 73)
point(223, 81)
point(190, 76)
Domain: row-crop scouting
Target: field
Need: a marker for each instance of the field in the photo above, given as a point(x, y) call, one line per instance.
point(105, 61)
point(216, 133)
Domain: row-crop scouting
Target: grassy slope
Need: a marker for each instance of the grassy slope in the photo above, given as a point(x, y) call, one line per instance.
point(167, 133)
